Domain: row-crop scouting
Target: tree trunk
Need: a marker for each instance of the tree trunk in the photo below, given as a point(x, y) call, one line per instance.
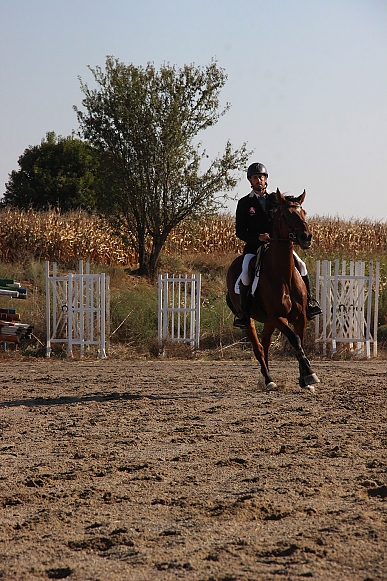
point(148, 261)
point(142, 256)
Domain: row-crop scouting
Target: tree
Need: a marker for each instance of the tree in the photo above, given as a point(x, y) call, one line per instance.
point(61, 172)
point(146, 122)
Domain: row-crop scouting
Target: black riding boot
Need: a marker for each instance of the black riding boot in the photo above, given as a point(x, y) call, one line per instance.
point(244, 321)
point(312, 308)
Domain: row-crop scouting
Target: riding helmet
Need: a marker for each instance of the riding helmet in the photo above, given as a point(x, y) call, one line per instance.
point(256, 168)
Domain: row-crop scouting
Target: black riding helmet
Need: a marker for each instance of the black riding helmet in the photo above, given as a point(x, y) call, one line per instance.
point(256, 168)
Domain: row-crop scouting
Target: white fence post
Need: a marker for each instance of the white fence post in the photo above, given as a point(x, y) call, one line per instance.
point(77, 307)
point(179, 309)
point(349, 303)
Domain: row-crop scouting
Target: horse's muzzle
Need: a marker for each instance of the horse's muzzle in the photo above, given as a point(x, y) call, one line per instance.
point(305, 240)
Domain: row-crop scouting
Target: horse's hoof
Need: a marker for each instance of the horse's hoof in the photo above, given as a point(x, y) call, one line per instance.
point(271, 385)
point(308, 380)
point(309, 388)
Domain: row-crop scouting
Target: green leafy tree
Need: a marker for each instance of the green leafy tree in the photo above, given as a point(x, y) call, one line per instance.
point(61, 172)
point(146, 122)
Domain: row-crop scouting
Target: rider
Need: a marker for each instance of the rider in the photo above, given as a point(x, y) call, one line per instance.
point(254, 222)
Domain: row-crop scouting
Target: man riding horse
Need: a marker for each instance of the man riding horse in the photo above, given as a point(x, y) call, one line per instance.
point(254, 222)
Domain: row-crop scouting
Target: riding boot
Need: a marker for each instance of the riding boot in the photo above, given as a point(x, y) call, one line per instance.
point(244, 321)
point(312, 308)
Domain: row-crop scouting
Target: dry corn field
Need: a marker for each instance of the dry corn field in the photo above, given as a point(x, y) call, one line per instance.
point(65, 238)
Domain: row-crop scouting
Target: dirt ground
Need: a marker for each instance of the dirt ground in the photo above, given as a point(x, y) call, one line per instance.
point(165, 470)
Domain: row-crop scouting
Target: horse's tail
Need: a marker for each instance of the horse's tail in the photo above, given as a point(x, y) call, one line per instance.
point(230, 305)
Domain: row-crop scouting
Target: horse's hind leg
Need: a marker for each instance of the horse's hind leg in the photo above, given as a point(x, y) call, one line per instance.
point(259, 354)
point(267, 333)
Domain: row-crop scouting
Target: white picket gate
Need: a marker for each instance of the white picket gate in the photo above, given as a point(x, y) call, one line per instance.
point(179, 309)
point(349, 301)
point(77, 309)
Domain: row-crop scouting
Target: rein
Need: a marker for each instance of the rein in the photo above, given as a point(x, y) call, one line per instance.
point(291, 238)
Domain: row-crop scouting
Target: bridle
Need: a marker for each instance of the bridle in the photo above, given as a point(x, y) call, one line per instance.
point(293, 230)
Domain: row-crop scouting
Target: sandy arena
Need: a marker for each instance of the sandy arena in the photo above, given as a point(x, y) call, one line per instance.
point(166, 470)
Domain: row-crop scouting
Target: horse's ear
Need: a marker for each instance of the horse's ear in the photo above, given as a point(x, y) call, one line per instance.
point(280, 197)
point(301, 198)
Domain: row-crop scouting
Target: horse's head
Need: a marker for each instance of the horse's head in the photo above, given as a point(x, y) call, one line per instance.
point(290, 223)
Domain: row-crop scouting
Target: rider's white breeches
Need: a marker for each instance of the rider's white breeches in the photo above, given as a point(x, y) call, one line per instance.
point(245, 277)
point(301, 264)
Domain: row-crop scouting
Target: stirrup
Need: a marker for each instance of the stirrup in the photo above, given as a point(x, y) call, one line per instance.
point(241, 322)
point(313, 309)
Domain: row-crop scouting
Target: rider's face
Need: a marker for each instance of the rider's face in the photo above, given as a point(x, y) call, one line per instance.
point(258, 182)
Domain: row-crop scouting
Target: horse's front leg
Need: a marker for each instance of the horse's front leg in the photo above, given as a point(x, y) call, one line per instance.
point(307, 376)
point(259, 353)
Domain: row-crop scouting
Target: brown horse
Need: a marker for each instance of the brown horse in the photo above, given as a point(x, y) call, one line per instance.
point(280, 297)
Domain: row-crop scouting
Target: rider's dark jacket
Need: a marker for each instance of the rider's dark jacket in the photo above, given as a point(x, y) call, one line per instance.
point(252, 220)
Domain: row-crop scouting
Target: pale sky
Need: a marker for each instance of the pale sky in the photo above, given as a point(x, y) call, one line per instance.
point(307, 82)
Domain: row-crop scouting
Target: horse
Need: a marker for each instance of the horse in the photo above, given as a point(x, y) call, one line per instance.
point(280, 298)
